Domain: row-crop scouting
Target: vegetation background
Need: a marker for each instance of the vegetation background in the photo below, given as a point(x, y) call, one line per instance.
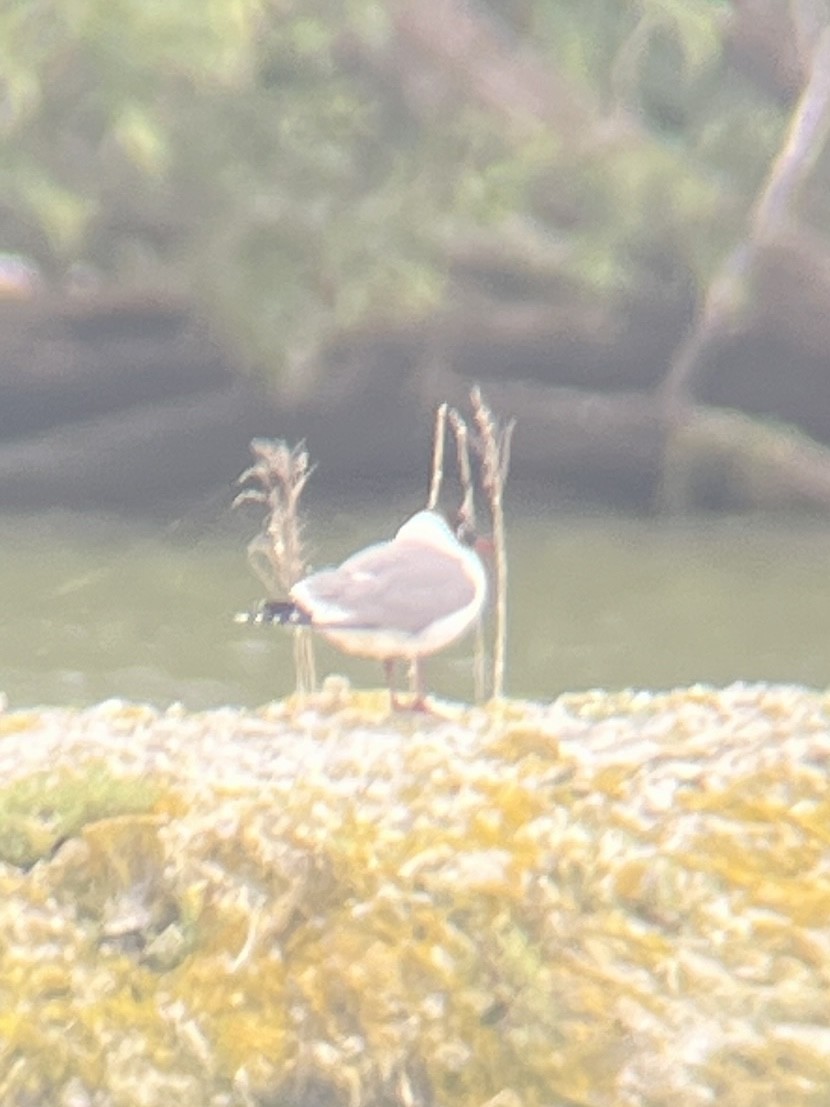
point(344, 206)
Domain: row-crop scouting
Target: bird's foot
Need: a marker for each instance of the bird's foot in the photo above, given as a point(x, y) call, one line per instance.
point(413, 704)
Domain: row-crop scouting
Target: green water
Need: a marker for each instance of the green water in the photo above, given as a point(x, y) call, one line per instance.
point(95, 608)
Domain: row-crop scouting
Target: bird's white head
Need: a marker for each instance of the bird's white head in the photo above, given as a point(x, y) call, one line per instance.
point(431, 529)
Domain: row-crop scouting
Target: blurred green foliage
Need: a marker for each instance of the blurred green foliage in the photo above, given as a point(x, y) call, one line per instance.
point(264, 156)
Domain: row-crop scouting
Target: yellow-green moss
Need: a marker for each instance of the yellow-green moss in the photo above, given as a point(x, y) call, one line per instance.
point(608, 900)
point(42, 809)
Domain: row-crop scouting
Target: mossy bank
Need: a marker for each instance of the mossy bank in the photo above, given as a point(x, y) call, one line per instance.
point(612, 899)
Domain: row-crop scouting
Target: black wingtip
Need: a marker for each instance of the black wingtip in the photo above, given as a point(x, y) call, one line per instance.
point(275, 612)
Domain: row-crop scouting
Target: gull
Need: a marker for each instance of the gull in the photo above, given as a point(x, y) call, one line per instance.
point(399, 600)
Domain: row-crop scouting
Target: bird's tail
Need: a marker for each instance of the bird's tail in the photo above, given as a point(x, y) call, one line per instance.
point(279, 612)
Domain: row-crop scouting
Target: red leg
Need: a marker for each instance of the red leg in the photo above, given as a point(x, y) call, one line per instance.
point(389, 666)
point(419, 703)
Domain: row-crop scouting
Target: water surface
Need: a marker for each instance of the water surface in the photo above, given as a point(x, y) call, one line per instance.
point(98, 607)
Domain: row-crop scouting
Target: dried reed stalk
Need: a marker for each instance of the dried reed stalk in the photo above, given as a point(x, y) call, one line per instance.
point(276, 480)
point(466, 523)
point(493, 446)
point(466, 518)
point(437, 470)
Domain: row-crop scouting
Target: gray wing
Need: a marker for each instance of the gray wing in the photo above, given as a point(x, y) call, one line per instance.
point(395, 586)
